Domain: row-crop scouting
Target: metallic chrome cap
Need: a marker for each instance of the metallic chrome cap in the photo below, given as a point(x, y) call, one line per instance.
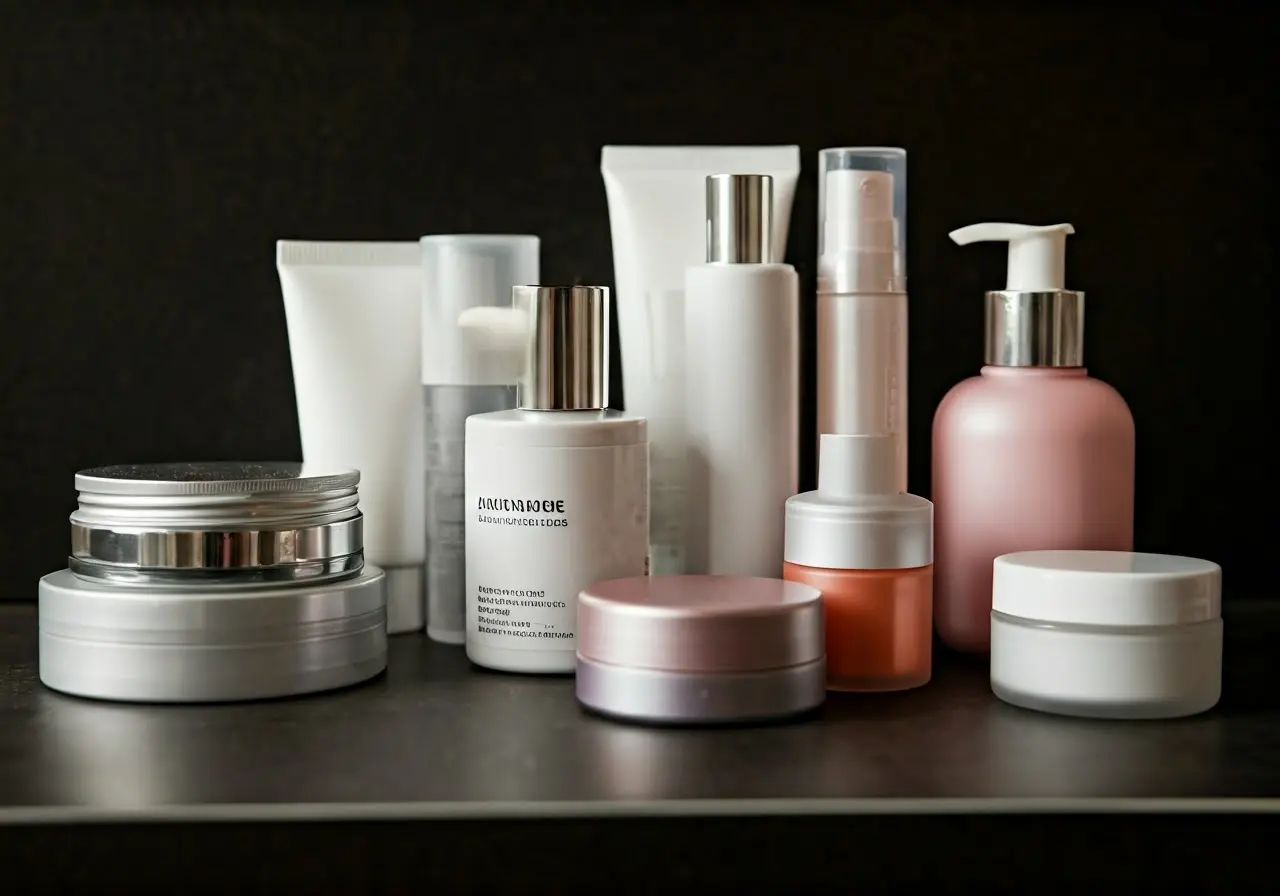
point(740, 218)
point(233, 522)
point(1035, 329)
point(568, 353)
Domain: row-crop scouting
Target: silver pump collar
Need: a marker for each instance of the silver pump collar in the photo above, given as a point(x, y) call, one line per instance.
point(740, 219)
point(567, 358)
point(1035, 329)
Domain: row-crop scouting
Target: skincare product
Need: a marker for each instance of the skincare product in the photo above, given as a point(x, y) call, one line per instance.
point(869, 549)
point(862, 295)
point(460, 378)
point(353, 313)
point(657, 219)
point(742, 388)
point(1107, 634)
point(556, 490)
point(1033, 454)
point(213, 582)
point(700, 649)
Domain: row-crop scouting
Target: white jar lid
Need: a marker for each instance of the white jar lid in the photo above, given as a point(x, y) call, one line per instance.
point(1115, 588)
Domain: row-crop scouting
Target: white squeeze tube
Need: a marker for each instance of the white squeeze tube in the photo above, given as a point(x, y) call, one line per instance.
point(353, 312)
point(657, 220)
point(862, 295)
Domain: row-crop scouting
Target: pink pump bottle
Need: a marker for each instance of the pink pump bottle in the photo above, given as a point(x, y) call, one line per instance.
point(1032, 454)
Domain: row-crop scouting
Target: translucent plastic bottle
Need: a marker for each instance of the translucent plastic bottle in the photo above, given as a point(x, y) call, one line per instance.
point(459, 378)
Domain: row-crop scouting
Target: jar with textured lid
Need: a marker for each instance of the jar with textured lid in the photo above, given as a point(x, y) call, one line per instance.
point(211, 582)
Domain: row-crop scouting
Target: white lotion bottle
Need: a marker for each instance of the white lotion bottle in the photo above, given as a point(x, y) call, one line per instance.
point(557, 490)
point(460, 377)
point(862, 295)
point(742, 399)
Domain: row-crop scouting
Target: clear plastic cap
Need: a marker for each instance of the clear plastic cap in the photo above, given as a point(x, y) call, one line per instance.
point(862, 219)
point(465, 271)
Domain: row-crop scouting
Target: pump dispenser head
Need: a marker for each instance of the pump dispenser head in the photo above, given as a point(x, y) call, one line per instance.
point(862, 199)
point(560, 337)
point(1035, 321)
point(739, 219)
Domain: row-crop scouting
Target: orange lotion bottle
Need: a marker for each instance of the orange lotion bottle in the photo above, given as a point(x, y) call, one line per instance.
point(869, 549)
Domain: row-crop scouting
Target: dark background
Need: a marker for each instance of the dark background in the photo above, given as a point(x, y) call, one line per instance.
point(152, 154)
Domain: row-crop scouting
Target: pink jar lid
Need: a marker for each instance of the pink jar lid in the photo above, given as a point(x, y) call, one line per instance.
point(700, 623)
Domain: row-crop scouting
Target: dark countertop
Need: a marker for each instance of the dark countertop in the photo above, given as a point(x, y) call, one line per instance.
point(435, 740)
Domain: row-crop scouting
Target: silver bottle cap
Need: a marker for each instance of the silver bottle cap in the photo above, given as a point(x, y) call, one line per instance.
point(227, 521)
point(567, 362)
point(740, 218)
point(1035, 329)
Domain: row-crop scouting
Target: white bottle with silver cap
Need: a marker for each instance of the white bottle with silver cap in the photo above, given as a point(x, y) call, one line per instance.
point(460, 378)
point(556, 490)
point(862, 295)
point(742, 397)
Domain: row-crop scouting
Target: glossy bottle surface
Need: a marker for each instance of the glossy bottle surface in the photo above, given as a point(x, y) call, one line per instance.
point(1023, 459)
point(879, 625)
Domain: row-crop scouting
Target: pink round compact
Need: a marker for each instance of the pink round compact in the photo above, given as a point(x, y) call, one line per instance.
point(700, 649)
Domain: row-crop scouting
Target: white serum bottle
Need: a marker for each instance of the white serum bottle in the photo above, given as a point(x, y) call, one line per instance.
point(556, 490)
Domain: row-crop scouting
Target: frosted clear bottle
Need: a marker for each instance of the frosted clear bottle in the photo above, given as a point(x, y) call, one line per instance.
point(460, 377)
point(742, 387)
point(1032, 454)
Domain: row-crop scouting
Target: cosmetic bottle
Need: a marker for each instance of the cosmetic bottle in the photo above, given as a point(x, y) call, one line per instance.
point(1032, 454)
point(657, 223)
point(862, 295)
point(868, 547)
point(556, 490)
point(741, 385)
point(459, 378)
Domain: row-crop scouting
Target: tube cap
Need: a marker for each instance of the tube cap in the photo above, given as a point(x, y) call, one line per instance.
point(740, 218)
point(1113, 588)
point(464, 271)
point(1034, 321)
point(855, 519)
point(700, 623)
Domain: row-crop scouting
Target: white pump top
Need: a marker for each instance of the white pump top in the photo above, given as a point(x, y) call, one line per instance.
point(1037, 255)
point(466, 271)
point(856, 519)
point(860, 238)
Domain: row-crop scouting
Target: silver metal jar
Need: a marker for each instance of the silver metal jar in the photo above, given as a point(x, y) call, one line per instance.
point(213, 582)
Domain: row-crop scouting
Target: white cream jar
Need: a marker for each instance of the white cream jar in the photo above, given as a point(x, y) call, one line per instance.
point(1107, 634)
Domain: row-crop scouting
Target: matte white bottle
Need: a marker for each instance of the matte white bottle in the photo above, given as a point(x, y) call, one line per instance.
point(556, 490)
point(742, 386)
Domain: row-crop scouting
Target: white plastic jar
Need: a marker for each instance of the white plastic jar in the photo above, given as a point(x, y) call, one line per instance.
point(1107, 634)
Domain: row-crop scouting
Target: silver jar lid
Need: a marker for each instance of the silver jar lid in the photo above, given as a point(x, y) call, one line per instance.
point(228, 521)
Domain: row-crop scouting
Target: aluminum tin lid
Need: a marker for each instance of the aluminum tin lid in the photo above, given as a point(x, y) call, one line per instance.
point(282, 520)
point(700, 623)
point(1111, 588)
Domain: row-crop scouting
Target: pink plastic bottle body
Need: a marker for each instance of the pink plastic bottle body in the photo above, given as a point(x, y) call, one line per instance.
point(1024, 458)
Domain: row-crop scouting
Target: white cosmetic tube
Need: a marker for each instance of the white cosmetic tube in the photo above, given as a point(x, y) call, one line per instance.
point(353, 311)
point(657, 218)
